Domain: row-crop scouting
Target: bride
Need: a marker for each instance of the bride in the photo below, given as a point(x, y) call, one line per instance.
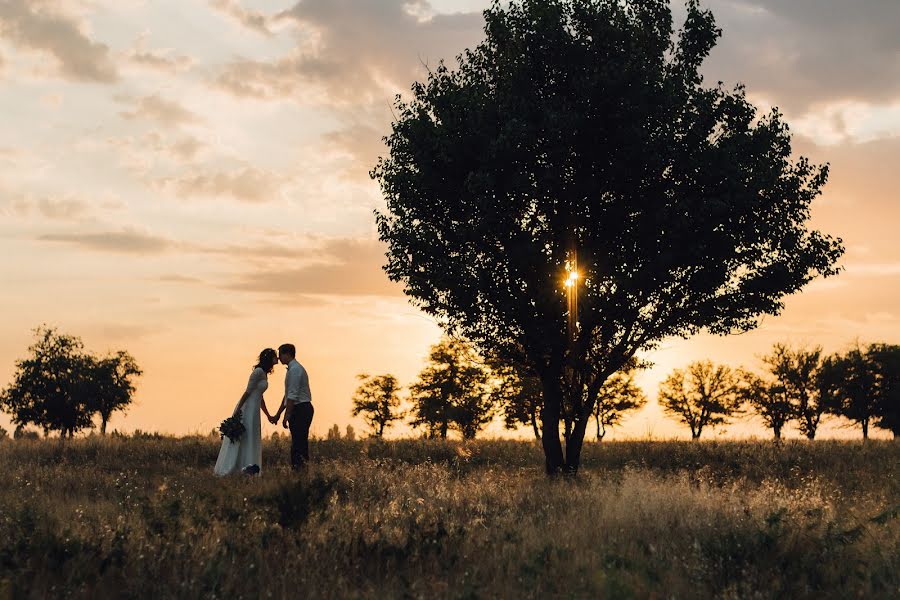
point(245, 455)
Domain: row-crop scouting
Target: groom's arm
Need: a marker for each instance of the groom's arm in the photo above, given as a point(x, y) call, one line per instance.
point(291, 393)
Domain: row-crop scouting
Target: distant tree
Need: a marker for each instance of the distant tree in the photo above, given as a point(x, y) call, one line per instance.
point(769, 400)
point(453, 390)
point(3, 433)
point(703, 395)
point(61, 386)
point(585, 129)
point(24, 434)
point(52, 388)
point(334, 433)
point(377, 399)
point(350, 433)
point(517, 394)
point(885, 359)
point(113, 386)
point(797, 379)
point(618, 396)
point(856, 395)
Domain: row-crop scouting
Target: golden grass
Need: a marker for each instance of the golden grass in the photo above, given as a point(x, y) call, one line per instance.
point(410, 518)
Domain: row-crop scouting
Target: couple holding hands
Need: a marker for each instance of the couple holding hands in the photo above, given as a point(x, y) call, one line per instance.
point(244, 455)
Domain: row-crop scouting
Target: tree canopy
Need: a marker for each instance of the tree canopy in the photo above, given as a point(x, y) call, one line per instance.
point(60, 386)
point(584, 128)
point(378, 400)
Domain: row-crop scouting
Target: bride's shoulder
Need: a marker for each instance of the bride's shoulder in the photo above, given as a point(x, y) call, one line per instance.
point(258, 372)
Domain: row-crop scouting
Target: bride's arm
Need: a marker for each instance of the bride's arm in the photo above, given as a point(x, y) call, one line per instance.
point(264, 409)
point(250, 385)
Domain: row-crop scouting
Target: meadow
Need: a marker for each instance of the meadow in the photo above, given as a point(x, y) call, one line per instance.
point(145, 518)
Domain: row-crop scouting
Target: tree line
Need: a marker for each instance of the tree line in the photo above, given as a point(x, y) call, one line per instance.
point(799, 385)
point(458, 390)
point(61, 387)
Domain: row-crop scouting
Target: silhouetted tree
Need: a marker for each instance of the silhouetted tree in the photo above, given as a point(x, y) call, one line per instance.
point(517, 393)
point(886, 360)
point(113, 388)
point(769, 400)
point(856, 395)
point(60, 386)
point(453, 390)
point(24, 434)
point(797, 376)
point(3, 433)
point(52, 387)
point(333, 433)
point(618, 396)
point(584, 128)
point(378, 400)
point(703, 395)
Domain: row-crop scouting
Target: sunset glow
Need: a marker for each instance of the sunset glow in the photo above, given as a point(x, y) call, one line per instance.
point(189, 181)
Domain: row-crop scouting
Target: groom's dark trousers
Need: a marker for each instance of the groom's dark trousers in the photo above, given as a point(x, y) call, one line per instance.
point(301, 419)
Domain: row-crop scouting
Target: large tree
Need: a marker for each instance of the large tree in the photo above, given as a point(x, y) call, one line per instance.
point(581, 131)
point(700, 396)
point(378, 400)
point(452, 391)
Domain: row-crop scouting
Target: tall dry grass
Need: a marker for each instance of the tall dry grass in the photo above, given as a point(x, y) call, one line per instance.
point(412, 518)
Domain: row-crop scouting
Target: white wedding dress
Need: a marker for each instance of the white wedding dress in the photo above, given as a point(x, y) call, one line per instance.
point(235, 456)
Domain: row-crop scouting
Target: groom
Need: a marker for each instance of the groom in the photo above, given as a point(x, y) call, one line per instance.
point(297, 405)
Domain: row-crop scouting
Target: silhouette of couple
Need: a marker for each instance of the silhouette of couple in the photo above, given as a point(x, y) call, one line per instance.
point(245, 454)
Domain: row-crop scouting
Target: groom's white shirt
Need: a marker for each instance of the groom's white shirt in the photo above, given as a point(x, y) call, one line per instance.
point(296, 384)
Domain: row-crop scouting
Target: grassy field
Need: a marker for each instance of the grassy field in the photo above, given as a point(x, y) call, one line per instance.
point(145, 518)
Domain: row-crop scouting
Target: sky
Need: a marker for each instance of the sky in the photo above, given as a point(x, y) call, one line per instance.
point(188, 180)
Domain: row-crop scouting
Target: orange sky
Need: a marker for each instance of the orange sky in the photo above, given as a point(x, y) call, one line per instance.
point(188, 181)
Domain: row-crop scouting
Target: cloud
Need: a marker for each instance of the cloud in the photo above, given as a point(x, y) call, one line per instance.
point(253, 20)
point(123, 241)
point(361, 143)
point(158, 60)
point(156, 108)
point(347, 267)
point(222, 311)
point(33, 25)
point(246, 184)
point(61, 209)
point(803, 52)
point(354, 51)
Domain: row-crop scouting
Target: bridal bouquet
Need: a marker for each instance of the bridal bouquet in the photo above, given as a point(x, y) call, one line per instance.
point(232, 427)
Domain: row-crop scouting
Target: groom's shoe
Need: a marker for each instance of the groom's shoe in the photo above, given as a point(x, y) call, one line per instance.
point(250, 470)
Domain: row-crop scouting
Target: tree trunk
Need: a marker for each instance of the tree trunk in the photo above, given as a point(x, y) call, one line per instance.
point(810, 434)
point(777, 429)
point(865, 427)
point(574, 444)
point(550, 414)
point(103, 420)
point(599, 435)
point(444, 427)
point(534, 426)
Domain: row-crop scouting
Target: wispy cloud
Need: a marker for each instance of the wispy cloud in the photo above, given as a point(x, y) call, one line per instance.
point(349, 268)
point(158, 109)
point(123, 241)
point(165, 61)
point(353, 51)
point(253, 20)
point(245, 184)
